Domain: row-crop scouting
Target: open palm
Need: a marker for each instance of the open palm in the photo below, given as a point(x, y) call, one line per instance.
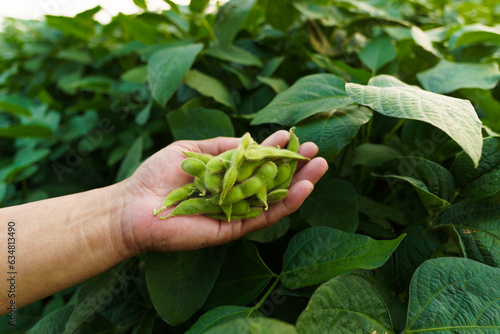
point(161, 173)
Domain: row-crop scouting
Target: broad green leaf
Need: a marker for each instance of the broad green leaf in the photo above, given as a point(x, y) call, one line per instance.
point(137, 75)
point(76, 27)
point(209, 86)
point(92, 295)
point(433, 183)
point(277, 84)
point(79, 56)
point(179, 283)
point(258, 325)
point(198, 6)
point(421, 38)
point(378, 53)
point(234, 54)
point(476, 224)
point(143, 116)
point(141, 4)
point(318, 254)
point(308, 96)
point(475, 34)
point(481, 181)
point(14, 109)
point(242, 277)
point(131, 161)
point(341, 69)
point(92, 83)
point(271, 233)
point(199, 123)
point(333, 130)
point(281, 14)
point(454, 295)
point(332, 203)
point(221, 315)
point(447, 76)
point(394, 98)
point(167, 69)
point(229, 19)
point(245, 80)
point(346, 304)
point(418, 246)
point(27, 130)
point(54, 322)
point(373, 155)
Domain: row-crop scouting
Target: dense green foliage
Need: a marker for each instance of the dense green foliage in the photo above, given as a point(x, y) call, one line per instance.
point(401, 97)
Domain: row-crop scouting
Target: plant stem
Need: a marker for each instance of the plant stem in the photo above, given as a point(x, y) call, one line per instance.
point(393, 131)
point(268, 292)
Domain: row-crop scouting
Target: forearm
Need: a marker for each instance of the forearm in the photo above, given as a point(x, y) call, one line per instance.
point(60, 242)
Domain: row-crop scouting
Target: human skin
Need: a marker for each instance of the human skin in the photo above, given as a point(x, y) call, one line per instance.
point(63, 241)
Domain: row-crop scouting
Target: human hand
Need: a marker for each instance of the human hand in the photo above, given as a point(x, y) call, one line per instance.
point(161, 173)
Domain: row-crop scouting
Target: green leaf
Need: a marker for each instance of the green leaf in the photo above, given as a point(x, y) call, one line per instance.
point(131, 161)
point(393, 98)
point(433, 183)
point(79, 56)
point(27, 130)
point(199, 124)
point(332, 203)
point(378, 53)
point(242, 277)
point(179, 283)
point(373, 155)
point(141, 4)
point(481, 181)
point(277, 84)
point(346, 304)
point(143, 116)
point(333, 130)
point(259, 325)
point(221, 315)
point(418, 246)
point(447, 76)
point(421, 38)
point(229, 19)
point(454, 295)
point(198, 6)
point(167, 69)
point(14, 109)
point(281, 14)
point(234, 54)
point(308, 96)
point(137, 75)
point(54, 322)
point(92, 295)
point(77, 27)
point(475, 34)
point(318, 254)
point(209, 86)
point(271, 233)
point(476, 224)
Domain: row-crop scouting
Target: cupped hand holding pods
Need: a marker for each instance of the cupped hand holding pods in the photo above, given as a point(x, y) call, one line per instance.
point(162, 173)
point(239, 180)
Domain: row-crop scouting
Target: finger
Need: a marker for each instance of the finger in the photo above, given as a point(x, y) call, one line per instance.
point(312, 171)
point(308, 149)
point(214, 146)
point(277, 211)
point(279, 138)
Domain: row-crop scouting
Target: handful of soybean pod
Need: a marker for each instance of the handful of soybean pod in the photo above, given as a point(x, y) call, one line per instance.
point(236, 184)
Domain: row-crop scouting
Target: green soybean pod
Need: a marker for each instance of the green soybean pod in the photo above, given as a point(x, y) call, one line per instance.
point(277, 195)
point(261, 196)
point(282, 175)
point(236, 161)
point(200, 156)
point(176, 196)
point(268, 152)
point(194, 167)
point(227, 209)
point(200, 186)
point(293, 145)
point(247, 168)
point(252, 213)
point(213, 182)
point(220, 162)
point(194, 206)
point(252, 185)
